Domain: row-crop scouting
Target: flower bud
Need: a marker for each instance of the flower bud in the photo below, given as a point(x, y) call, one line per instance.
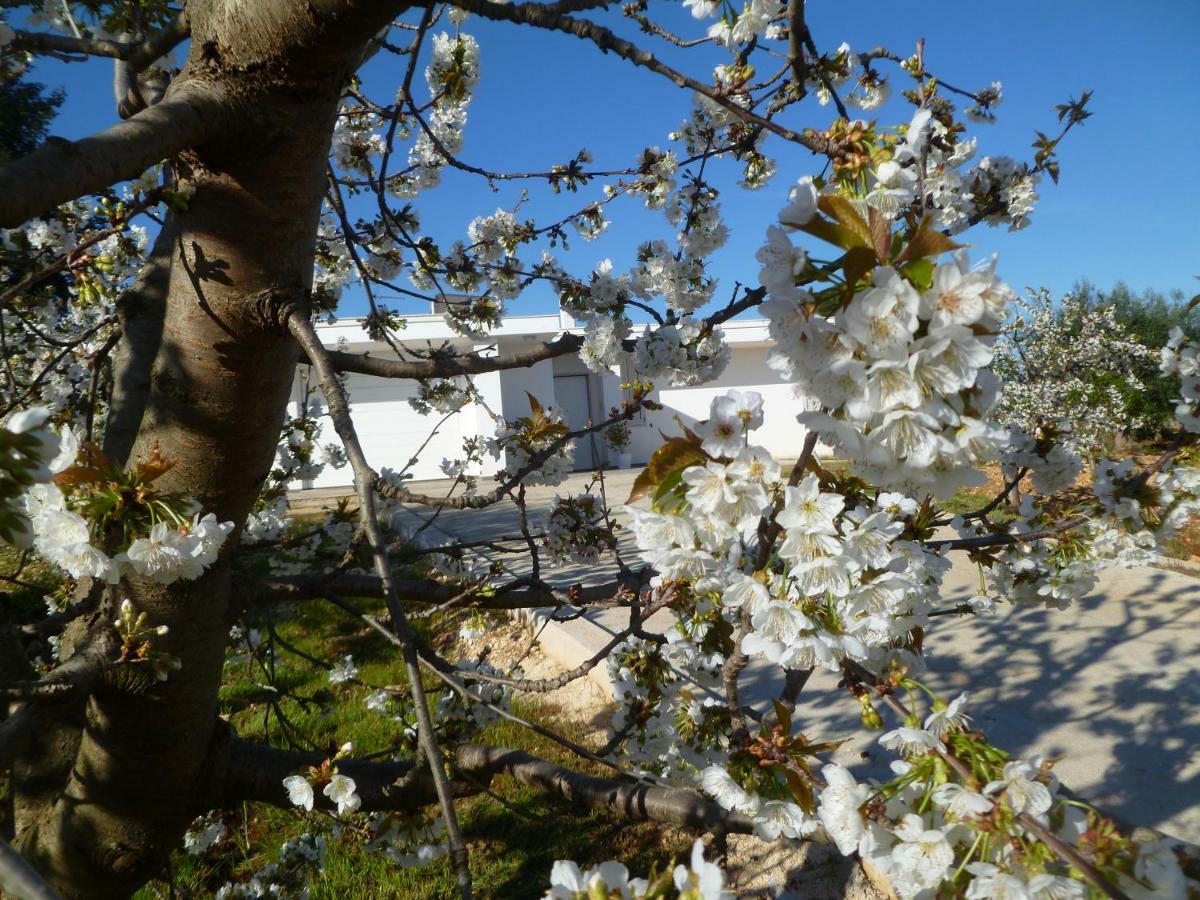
point(870, 715)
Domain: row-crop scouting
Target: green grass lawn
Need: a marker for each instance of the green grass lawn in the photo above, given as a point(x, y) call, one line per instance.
point(966, 500)
point(514, 841)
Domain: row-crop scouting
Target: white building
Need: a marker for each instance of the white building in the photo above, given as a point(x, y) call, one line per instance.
point(392, 432)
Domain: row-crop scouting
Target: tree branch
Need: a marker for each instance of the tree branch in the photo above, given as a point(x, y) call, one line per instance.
point(474, 364)
point(543, 16)
point(49, 42)
point(517, 595)
point(82, 670)
point(160, 44)
point(139, 55)
point(18, 879)
point(797, 29)
point(254, 772)
point(61, 170)
point(451, 366)
point(1005, 538)
point(302, 330)
point(637, 801)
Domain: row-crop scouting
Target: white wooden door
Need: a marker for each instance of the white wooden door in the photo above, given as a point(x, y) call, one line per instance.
point(572, 397)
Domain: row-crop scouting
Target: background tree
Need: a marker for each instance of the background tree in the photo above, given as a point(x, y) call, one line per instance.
point(264, 161)
point(1074, 365)
point(1089, 363)
point(1149, 316)
point(26, 111)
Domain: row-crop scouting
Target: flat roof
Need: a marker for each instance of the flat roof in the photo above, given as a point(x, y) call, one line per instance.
point(433, 327)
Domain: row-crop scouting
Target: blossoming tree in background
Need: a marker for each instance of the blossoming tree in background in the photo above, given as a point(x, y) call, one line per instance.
point(1070, 366)
point(147, 450)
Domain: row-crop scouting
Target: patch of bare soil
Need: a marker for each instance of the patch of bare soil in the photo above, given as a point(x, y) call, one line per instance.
point(756, 868)
point(580, 703)
point(791, 869)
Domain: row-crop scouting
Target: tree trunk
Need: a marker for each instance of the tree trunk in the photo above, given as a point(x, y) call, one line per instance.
point(204, 378)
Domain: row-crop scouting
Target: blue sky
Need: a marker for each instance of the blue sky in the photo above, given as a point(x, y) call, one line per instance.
point(1125, 208)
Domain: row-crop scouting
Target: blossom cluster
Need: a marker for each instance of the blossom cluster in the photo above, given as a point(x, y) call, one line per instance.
point(603, 338)
point(300, 455)
point(757, 19)
point(960, 813)
point(452, 75)
point(1053, 466)
point(441, 395)
point(300, 860)
point(458, 715)
point(575, 530)
point(1181, 357)
point(65, 316)
point(687, 352)
point(165, 540)
point(205, 834)
point(850, 582)
point(698, 880)
point(537, 444)
point(27, 448)
point(900, 372)
point(340, 789)
point(409, 839)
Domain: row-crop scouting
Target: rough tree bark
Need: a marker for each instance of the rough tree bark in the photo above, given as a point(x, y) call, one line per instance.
point(204, 375)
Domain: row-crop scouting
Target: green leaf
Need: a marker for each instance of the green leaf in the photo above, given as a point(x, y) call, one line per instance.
point(919, 272)
point(783, 716)
point(927, 241)
point(675, 454)
point(665, 489)
point(534, 406)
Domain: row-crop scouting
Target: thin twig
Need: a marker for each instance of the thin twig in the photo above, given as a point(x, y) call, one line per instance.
point(19, 879)
point(339, 411)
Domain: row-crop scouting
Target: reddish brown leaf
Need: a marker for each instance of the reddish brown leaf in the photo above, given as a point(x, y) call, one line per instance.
point(881, 233)
point(833, 233)
point(927, 241)
point(674, 454)
point(857, 262)
point(843, 212)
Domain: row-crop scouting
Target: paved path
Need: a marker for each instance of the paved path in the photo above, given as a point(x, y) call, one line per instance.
point(1112, 683)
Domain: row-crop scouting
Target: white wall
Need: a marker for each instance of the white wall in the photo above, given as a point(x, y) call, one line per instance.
point(476, 418)
point(391, 431)
point(780, 434)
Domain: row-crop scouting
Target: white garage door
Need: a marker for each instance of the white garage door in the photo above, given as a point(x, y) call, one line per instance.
point(392, 431)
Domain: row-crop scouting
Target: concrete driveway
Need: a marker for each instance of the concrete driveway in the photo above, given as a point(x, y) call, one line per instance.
point(1111, 683)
